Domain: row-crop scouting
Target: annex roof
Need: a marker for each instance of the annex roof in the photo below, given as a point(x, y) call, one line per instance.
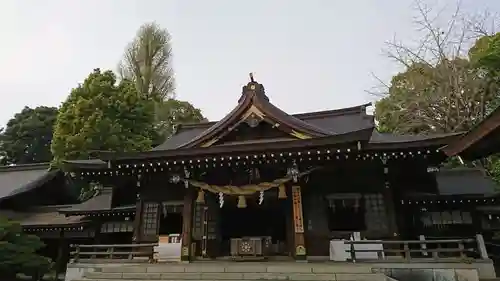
point(47, 216)
point(23, 178)
point(465, 181)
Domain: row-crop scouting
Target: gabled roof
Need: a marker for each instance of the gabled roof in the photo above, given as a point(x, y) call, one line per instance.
point(347, 127)
point(254, 104)
point(334, 122)
point(349, 139)
point(23, 178)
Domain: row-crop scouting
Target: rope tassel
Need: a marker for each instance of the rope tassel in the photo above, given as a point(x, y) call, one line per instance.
point(201, 197)
point(281, 192)
point(242, 202)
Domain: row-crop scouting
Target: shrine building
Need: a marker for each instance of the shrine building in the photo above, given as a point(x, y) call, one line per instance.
point(264, 183)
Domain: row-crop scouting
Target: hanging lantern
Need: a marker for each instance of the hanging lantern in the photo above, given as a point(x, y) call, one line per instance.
point(293, 172)
point(281, 191)
point(175, 179)
point(256, 174)
point(201, 197)
point(242, 202)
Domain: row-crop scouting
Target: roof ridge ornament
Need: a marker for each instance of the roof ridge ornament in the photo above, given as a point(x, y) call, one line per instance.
point(253, 87)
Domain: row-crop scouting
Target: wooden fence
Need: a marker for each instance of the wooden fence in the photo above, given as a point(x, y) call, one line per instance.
point(113, 251)
point(404, 250)
point(419, 250)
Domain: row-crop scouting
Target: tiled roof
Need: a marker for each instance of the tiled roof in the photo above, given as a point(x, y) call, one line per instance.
point(100, 202)
point(465, 181)
point(22, 178)
point(49, 217)
point(339, 121)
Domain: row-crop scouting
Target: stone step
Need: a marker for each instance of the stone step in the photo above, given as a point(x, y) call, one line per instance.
point(238, 268)
point(341, 279)
point(112, 276)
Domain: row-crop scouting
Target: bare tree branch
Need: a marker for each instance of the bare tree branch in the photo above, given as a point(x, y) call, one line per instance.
point(439, 91)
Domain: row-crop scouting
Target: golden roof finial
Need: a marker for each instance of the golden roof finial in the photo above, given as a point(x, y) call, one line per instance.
point(251, 77)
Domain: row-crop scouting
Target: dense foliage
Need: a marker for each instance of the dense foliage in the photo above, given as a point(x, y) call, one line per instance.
point(102, 115)
point(27, 136)
point(173, 112)
point(486, 53)
point(18, 252)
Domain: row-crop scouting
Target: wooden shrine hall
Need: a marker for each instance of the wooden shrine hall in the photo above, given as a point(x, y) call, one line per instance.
point(264, 183)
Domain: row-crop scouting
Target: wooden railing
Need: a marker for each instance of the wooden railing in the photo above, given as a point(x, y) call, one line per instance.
point(113, 251)
point(417, 250)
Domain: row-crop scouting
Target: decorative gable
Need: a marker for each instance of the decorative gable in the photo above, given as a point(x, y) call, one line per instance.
point(255, 115)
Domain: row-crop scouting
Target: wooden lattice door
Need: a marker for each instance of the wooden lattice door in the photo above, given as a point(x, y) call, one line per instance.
point(149, 222)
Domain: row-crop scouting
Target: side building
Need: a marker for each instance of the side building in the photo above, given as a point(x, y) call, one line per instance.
point(45, 203)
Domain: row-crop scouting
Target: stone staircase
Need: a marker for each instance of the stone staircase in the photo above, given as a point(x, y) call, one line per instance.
point(217, 271)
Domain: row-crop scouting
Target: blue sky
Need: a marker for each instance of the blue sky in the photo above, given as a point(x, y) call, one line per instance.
point(310, 55)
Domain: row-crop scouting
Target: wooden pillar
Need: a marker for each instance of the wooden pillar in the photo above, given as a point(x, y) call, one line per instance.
point(187, 225)
point(137, 221)
point(390, 205)
point(298, 225)
point(287, 206)
point(60, 253)
point(391, 211)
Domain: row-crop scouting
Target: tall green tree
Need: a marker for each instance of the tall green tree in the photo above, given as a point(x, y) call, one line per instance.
point(18, 252)
point(173, 112)
point(27, 136)
point(103, 115)
point(148, 62)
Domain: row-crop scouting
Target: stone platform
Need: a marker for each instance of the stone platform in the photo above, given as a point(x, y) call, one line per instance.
point(307, 271)
point(232, 271)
